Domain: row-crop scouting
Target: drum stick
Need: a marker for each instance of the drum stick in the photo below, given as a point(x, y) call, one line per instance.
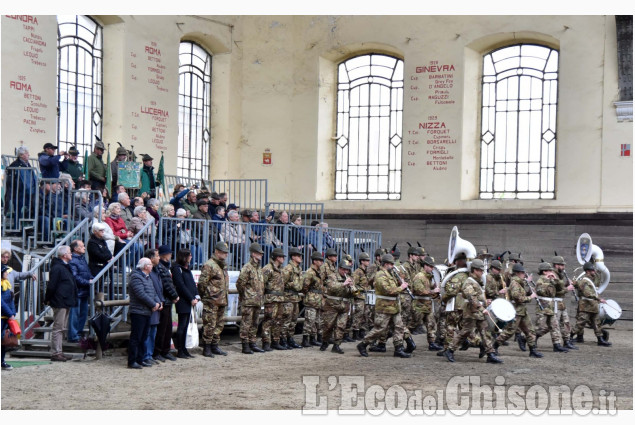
point(610, 306)
point(492, 320)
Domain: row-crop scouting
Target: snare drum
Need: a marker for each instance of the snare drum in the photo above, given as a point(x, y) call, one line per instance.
point(609, 312)
point(370, 297)
point(501, 312)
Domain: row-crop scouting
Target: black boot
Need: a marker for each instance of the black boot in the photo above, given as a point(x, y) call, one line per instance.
point(336, 349)
point(246, 349)
point(361, 347)
point(276, 345)
point(522, 342)
point(313, 341)
point(181, 354)
point(496, 345)
point(305, 341)
point(441, 353)
point(362, 334)
point(580, 339)
point(217, 350)
point(410, 345)
point(291, 343)
point(283, 344)
point(355, 336)
point(266, 346)
point(533, 352)
point(569, 345)
point(492, 358)
point(605, 334)
point(604, 343)
point(557, 348)
point(255, 348)
point(207, 351)
point(481, 353)
point(319, 338)
point(324, 346)
point(379, 348)
point(434, 347)
point(347, 338)
point(449, 354)
point(399, 352)
point(465, 345)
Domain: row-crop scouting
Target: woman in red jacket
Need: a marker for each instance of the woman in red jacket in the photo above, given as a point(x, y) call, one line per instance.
point(118, 225)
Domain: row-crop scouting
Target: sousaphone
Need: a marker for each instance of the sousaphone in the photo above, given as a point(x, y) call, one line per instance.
point(586, 251)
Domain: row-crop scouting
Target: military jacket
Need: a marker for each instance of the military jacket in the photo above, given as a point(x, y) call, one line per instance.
point(250, 284)
point(213, 284)
point(422, 287)
point(453, 289)
point(493, 284)
point(327, 269)
point(360, 281)
point(561, 284)
point(292, 281)
point(334, 286)
point(410, 271)
point(371, 271)
point(518, 290)
point(313, 288)
point(386, 285)
point(474, 298)
point(589, 298)
point(546, 288)
point(274, 286)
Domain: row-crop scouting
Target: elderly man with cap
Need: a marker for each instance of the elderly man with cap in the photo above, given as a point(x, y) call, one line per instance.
point(96, 168)
point(589, 308)
point(546, 291)
point(148, 180)
point(122, 155)
point(274, 299)
point(313, 289)
point(250, 286)
point(213, 286)
point(474, 315)
point(162, 341)
point(338, 288)
point(424, 290)
point(563, 285)
point(292, 280)
point(49, 162)
point(519, 291)
point(202, 210)
point(189, 204)
point(71, 166)
point(387, 309)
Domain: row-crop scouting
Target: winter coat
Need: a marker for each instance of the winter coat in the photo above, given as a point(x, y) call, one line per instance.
point(49, 165)
point(61, 289)
point(185, 287)
point(169, 291)
point(98, 254)
point(82, 274)
point(143, 296)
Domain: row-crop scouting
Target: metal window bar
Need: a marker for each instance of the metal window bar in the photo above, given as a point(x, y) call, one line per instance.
point(248, 194)
point(53, 209)
point(20, 199)
point(308, 211)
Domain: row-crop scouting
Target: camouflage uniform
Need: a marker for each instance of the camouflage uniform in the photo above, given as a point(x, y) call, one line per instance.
point(250, 286)
point(387, 309)
point(274, 299)
point(547, 322)
point(213, 285)
point(473, 319)
point(360, 281)
point(337, 304)
point(589, 307)
point(313, 289)
point(562, 317)
point(493, 285)
point(410, 270)
point(292, 280)
point(422, 305)
point(453, 316)
point(370, 275)
point(518, 293)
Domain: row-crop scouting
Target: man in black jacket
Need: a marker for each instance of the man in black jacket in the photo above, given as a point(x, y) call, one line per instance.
point(61, 295)
point(164, 330)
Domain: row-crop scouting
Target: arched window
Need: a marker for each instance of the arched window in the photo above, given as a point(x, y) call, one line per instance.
point(79, 82)
point(518, 123)
point(195, 86)
point(369, 131)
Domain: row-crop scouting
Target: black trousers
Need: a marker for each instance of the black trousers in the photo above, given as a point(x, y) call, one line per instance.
point(181, 331)
point(139, 327)
point(164, 331)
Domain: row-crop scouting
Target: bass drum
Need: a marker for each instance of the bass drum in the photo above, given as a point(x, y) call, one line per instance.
point(501, 312)
point(609, 312)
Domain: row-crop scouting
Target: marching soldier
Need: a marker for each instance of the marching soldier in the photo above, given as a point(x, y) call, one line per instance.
point(514, 258)
point(387, 309)
point(370, 274)
point(518, 290)
point(422, 305)
point(360, 280)
point(474, 313)
point(563, 284)
point(349, 321)
point(338, 287)
point(496, 286)
point(313, 289)
point(250, 286)
point(292, 281)
point(274, 299)
point(588, 306)
point(453, 300)
point(213, 285)
point(547, 322)
point(411, 268)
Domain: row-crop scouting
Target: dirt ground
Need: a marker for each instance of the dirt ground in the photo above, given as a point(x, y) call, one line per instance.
point(275, 380)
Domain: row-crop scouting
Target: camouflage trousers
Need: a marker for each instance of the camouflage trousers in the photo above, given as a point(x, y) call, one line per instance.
point(383, 322)
point(591, 319)
point(427, 319)
point(312, 321)
point(334, 317)
point(471, 326)
point(357, 320)
point(452, 323)
point(524, 324)
point(249, 323)
point(272, 322)
point(562, 317)
point(369, 316)
point(441, 326)
point(406, 307)
point(548, 323)
point(213, 322)
point(290, 314)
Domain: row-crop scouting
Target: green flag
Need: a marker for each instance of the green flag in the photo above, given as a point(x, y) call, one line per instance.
point(161, 177)
point(108, 172)
point(85, 169)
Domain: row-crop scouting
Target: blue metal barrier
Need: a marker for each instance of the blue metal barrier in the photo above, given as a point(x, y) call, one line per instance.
point(248, 194)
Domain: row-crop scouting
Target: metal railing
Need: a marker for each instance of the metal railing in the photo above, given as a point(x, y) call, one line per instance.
point(53, 209)
point(21, 186)
point(31, 298)
point(8, 159)
point(308, 211)
point(248, 194)
point(172, 180)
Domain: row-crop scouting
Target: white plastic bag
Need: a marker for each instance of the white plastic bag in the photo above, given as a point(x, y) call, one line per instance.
point(191, 338)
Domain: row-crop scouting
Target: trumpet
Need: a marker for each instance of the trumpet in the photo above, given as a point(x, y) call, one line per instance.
point(400, 279)
point(575, 292)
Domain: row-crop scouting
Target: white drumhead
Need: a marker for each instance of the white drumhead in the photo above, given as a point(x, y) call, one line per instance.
point(612, 309)
point(503, 309)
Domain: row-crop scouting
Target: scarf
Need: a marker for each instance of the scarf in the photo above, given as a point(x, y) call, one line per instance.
point(115, 217)
point(6, 285)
